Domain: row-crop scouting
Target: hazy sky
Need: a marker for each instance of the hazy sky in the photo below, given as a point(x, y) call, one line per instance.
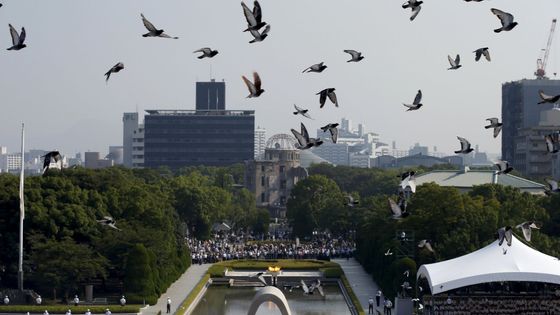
point(56, 84)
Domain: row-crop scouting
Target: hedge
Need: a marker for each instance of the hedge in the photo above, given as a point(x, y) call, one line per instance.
point(61, 309)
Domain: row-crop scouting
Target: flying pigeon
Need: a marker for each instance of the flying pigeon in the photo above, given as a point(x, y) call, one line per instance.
point(350, 202)
point(206, 52)
point(332, 129)
point(551, 142)
point(505, 233)
point(50, 157)
point(526, 229)
point(506, 19)
point(397, 211)
point(255, 89)
point(405, 175)
point(323, 97)
point(152, 30)
point(116, 68)
point(503, 167)
point(388, 252)
point(258, 36)
point(318, 67)
point(260, 277)
point(304, 141)
point(356, 55)
point(415, 6)
point(547, 98)
point(406, 273)
point(426, 244)
point(552, 186)
point(109, 221)
point(494, 123)
point(482, 52)
point(408, 181)
point(254, 18)
point(17, 39)
point(301, 111)
point(455, 64)
point(416, 104)
point(465, 146)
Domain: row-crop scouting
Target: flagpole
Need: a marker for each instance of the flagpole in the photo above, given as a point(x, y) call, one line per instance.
point(21, 211)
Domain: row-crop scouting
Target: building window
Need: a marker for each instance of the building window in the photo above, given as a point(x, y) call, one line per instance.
point(262, 168)
point(263, 197)
point(262, 181)
point(282, 167)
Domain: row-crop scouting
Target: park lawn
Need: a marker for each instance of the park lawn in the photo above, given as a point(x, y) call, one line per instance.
point(61, 309)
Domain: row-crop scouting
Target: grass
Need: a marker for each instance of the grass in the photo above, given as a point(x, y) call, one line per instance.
point(61, 309)
point(218, 269)
point(352, 295)
point(193, 294)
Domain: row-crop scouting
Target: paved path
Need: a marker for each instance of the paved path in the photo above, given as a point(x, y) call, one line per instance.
point(362, 283)
point(178, 291)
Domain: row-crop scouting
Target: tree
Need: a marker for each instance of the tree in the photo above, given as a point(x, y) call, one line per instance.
point(139, 278)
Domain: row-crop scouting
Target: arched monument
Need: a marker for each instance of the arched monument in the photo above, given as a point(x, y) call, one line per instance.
point(269, 294)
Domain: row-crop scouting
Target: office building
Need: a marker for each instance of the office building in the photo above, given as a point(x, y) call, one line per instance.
point(260, 142)
point(138, 147)
point(210, 95)
point(93, 160)
point(115, 154)
point(130, 128)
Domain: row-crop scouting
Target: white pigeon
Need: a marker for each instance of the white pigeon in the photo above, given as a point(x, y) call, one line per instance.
point(356, 55)
point(109, 221)
point(506, 19)
point(494, 123)
point(455, 63)
point(152, 30)
point(397, 210)
point(426, 244)
point(388, 252)
point(417, 102)
point(552, 186)
point(409, 181)
point(526, 229)
point(17, 39)
point(350, 202)
point(318, 67)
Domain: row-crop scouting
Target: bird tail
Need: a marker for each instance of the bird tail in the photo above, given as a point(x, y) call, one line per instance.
point(541, 102)
point(488, 127)
point(457, 151)
point(324, 129)
point(200, 57)
point(108, 74)
point(295, 113)
point(497, 30)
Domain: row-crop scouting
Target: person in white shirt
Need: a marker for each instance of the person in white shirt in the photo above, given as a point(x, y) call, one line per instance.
point(168, 305)
point(46, 312)
point(87, 312)
point(76, 300)
point(38, 300)
point(123, 301)
point(370, 302)
point(6, 300)
point(69, 312)
point(107, 312)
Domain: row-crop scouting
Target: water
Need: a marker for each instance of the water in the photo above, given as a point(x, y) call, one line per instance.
point(222, 300)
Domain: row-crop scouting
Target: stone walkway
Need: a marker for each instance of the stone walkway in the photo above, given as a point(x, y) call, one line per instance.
point(178, 291)
point(362, 283)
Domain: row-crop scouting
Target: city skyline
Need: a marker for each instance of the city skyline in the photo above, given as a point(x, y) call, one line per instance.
point(70, 101)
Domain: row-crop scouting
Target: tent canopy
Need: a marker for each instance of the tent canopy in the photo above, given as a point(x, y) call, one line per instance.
point(490, 264)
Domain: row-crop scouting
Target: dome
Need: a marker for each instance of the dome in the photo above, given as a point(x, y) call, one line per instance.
point(281, 141)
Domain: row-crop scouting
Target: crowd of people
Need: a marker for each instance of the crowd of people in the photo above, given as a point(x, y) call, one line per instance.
point(230, 246)
point(495, 305)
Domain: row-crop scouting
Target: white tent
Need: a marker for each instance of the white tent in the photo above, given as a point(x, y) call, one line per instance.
point(490, 264)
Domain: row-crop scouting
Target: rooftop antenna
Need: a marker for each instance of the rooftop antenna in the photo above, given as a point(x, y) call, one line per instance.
point(211, 72)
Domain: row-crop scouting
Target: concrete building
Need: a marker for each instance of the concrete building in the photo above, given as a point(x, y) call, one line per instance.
point(93, 160)
point(335, 153)
point(418, 149)
point(260, 143)
point(415, 161)
point(10, 162)
point(360, 159)
point(520, 111)
point(131, 124)
point(115, 154)
point(138, 147)
point(272, 178)
point(346, 125)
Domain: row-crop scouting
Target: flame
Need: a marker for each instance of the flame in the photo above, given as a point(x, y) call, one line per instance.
point(273, 268)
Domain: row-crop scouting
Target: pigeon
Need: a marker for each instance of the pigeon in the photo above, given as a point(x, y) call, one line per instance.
point(551, 142)
point(426, 244)
point(406, 273)
point(50, 157)
point(318, 67)
point(397, 211)
point(415, 6)
point(301, 111)
point(526, 229)
point(406, 284)
point(547, 98)
point(409, 181)
point(480, 52)
point(356, 55)
point(152, 30)
point(552, 186)
point(1, 5)
point(494, 123)
point(505, 233)
point(506, 19)
point(259, 37)
point(206, 52)
point(503, 167)
point(416, 104)
point(405, 175)
point(323, 96)
point(116, 68)
point(254, 88)
point(455, 64)
point(332, 129)
point(254, 18)
point(17, 39)
point(304, 142)
point(388, 252)
point(109, 221)
point(465, 146)
point(350, 202)
point(260, 277)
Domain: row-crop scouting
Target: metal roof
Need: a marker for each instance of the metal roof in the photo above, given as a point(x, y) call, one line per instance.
point(469, 178)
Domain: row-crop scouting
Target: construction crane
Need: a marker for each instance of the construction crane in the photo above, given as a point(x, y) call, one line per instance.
point(541, 62)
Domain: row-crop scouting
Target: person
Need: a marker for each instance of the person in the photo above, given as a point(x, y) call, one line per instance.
point(123, 301)
point(168, 305)
point(6, 300)
point(76, 300)
point(107, 312)
point(370, 302)
point(87, 312)
point(385, 307)
point(46, 312)
point(378, 297)
point(389, 307)
point(68, 312)
point(38, 300)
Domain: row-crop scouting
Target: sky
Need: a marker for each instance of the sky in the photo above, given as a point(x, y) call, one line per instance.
point(57, 86)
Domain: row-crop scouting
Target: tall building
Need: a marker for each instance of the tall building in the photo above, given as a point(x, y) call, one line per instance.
point(520, 111)
point(138, 147)
point(346, 125)
point(130, 126)
point(211, 95)
point(260, 142)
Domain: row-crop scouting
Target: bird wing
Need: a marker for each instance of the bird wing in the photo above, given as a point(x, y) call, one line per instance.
point(262, 280)
point(457, 60)
point(167, 36)
point(300, 139)
point(257, 80)
point(323, 98)
point(464, 143)
point(501, 165)
point(266, 30)
point(320, 289)
point(543, 96)
point(257, 11)
point(298, 109)
point(22, 36)
point(334, 134)
point(249, 16)
point(304, 287)
point(497, 131)
point(422, 243)
point(505, 18)
point(332, 97)
point(304, 132)
point(415, 12)
point(509, 236)
point(46, 161)
point(15, 35)
point(418, 98)
point(492, 121)
point(451, 61)
point(478, 54)
point(108, 218)
point(501, 235)
point(553, 184)
point(147, 24)
point(549, 143)
point(250, 85)
point(353, 53)
point(205, 50)
point(305, 114)
point(395, 208)
point(486, 54)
